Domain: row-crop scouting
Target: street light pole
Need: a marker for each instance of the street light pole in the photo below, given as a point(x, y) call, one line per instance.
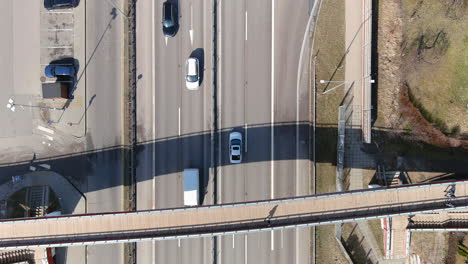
point(12, 106)
point(340, 84)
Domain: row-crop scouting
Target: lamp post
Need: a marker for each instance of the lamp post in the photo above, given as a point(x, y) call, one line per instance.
point(340, 84)
point(12, 106)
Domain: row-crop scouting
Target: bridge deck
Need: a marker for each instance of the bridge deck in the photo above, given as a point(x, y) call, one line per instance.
point(320, 209)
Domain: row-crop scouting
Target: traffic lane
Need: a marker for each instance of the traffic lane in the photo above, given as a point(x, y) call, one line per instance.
point(232, 249)
point(145, 59)
point(104, 118)
point(166, 251)
point(290, 140)
point(196, 250)
point(231, 113)
point(258, 98)
point(104, 79)
point(188, 150)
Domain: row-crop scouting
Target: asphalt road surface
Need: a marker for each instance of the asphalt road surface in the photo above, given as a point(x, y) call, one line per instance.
point(258, 94)
point(104, 82)
point(173, 122)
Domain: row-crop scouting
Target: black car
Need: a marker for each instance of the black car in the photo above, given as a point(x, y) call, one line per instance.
point(170, 21)
point(57, 4)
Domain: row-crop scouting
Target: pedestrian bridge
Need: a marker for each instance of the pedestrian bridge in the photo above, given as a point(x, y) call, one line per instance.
point(322, 209)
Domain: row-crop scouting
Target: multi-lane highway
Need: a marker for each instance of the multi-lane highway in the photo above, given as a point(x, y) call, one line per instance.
point(260, 44)
point(261, 91)
point(173, 122)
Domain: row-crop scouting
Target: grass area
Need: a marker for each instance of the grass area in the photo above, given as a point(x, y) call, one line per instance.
point(377, 231)
point(432, 247)
point(435, 62)
point(352, 240)
point(329, 49)
point(402, 145)
point(327, 246)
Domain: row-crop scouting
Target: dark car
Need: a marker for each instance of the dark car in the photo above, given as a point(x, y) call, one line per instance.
point(170, 21)
point(58, 4)
point(52, 71)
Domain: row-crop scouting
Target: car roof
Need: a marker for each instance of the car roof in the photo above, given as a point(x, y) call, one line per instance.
point(192, 66)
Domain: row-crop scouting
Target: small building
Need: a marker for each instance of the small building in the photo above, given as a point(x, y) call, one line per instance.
point(55, 90)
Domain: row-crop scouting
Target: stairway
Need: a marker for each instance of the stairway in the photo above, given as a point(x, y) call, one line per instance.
point(16, 256)
point(38, 198)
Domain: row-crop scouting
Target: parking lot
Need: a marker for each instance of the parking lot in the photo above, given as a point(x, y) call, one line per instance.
point(34, 37)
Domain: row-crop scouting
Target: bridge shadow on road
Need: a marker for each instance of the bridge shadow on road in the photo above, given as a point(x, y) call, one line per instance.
point(103, 168)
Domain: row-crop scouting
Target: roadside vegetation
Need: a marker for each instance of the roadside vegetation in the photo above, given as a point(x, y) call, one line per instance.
point(434, 46)
point(329, 50)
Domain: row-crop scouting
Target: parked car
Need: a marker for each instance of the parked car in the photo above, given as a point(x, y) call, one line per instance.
point(192, 77)
point(235, 147)
point(52, 70)
point(58, 4)
point(170, 21)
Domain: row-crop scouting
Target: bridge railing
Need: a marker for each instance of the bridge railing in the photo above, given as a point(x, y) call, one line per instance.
point(247, 225)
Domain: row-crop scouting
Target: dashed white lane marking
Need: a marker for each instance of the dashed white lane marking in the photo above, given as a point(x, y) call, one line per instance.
point(49, 137)
point(246, 25)
point(45, 129)
point(179, 122)
point(245, 249)
point(32, 168)
point(233, 242)
point(246, 137)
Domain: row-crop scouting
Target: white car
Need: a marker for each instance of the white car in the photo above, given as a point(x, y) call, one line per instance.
point(235, 147)
point(192, 79)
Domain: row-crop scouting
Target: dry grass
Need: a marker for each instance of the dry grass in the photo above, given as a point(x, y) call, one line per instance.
point(435, 61)
point(329, 49)
point(327, 246)
point(432, 247)
point(376, 229)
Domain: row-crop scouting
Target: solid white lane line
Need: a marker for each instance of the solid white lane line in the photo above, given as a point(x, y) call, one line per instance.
point(246, 137)
point(282, 238)
point(153, 89)
point(245, 249)
point(179, 121)
point(246, 25)
point(272, 167)
point(220, 103)
point(153, 86)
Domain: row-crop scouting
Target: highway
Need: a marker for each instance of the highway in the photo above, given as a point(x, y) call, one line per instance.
point(259, 95)
point(242, 217)
point(174, 120)
point(104, 83)
point(262, 91)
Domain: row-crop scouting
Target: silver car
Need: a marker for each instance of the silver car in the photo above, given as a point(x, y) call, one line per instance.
point(235, 147)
